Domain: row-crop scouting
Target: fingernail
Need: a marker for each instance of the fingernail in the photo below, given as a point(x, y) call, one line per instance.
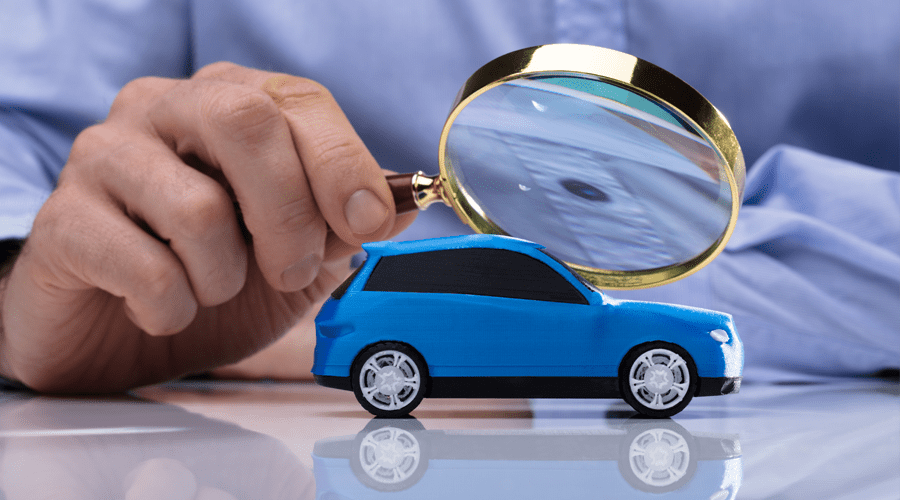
point(299, 275)
point(365, 212)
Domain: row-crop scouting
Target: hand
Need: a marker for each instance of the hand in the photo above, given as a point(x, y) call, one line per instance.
point(290, 358)
point(139, 268)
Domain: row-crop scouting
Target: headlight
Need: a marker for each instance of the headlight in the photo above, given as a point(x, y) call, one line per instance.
point(719, 334)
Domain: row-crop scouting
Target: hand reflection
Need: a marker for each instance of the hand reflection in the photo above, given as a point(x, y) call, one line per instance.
point(167, 478)
point(75, 449)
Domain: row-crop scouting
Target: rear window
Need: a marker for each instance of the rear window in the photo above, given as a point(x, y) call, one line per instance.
point(342, 288)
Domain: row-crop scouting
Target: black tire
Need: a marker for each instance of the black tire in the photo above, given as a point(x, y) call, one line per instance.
point(404, 379)
point(674, 379)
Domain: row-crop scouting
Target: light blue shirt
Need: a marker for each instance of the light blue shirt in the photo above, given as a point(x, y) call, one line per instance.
point(812, 274)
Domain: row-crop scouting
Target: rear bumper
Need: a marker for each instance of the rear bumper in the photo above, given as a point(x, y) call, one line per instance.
point(342, 383)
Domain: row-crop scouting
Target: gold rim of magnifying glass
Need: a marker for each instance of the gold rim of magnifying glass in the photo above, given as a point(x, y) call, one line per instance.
point(627, 72)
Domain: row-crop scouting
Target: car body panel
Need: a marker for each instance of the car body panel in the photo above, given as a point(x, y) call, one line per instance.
point(463, 335)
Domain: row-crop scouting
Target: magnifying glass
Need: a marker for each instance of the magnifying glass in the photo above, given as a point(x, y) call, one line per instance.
point(615, 165)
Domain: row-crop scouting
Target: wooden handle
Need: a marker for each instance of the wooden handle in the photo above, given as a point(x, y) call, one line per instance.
point(403, 193)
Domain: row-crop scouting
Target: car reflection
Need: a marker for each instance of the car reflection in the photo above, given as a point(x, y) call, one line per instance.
point(642, 459)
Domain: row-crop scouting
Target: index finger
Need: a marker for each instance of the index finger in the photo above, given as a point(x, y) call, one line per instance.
point(349, 187)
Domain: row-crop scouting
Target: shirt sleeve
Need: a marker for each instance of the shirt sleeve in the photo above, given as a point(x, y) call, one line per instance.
point(64, 62)
point(812, 271)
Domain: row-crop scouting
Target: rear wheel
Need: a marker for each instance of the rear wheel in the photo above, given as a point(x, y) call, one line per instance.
point(389, 379)
point(658, 379)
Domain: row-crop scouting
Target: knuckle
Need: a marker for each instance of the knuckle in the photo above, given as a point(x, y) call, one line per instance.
point(138, 92)
point(338, 152)
point(298, 216)
point(240, 112)
point(89, 143)
point(159, 280)
point(295, 92)
point(217, 70)
point(200, 210)
point(118, 156)
point(220, 283)
point(101, 151)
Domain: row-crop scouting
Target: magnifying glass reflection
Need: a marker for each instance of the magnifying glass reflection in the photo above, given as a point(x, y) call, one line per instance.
point(615, 165)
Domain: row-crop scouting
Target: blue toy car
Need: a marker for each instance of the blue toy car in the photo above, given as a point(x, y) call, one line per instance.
point(493, 316)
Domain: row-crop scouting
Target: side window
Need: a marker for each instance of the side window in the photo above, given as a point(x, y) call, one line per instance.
point(474, 271)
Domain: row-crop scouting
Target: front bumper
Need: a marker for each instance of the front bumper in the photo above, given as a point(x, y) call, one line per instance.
point(717, 386)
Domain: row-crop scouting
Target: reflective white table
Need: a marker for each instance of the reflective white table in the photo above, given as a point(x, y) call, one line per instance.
point(217, 441)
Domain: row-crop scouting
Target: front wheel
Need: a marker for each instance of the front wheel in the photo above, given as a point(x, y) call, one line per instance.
point(389, 379)
point(658, 379)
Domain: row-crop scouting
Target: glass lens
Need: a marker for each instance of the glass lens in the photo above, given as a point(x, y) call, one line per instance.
point(601, 176)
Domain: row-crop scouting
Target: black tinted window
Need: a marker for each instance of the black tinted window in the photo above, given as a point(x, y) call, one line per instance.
point(587, 284)
point(476, 271)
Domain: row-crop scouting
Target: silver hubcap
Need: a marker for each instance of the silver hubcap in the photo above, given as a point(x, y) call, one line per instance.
point(659, 457)
point(389, 380)
point(389, 455)
point(659, 379)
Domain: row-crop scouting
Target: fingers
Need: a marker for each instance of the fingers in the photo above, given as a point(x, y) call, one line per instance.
point(102, 248)
point(184, 208)
point(281, 145)
point(348, 184)
point(241, 131)
point(294, 161)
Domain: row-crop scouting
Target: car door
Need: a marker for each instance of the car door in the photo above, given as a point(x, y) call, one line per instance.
point(489, 312)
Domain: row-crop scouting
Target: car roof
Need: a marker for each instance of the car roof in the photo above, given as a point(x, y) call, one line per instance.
point(380, 248)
